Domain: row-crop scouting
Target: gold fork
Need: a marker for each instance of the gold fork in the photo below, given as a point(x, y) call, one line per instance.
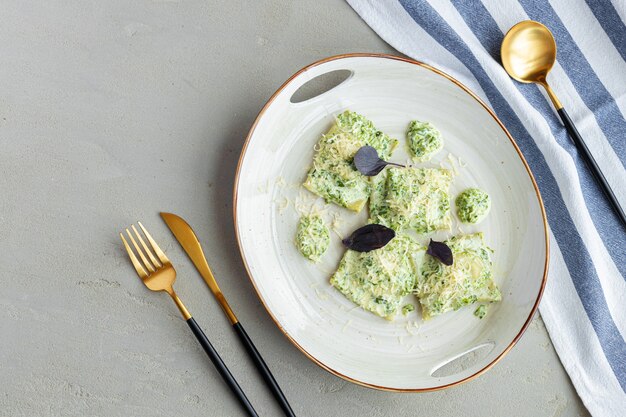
point(159, 275)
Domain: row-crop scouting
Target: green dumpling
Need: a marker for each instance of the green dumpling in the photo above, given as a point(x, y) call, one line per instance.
point(424, 140)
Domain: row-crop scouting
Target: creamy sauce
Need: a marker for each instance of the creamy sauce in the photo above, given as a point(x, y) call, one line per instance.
point(403, 199)
point(378, 280)
point(333, 176)
point(473, 205)
point(412, 198)
point(312, 237)
point(424, 140)
point(469, 279)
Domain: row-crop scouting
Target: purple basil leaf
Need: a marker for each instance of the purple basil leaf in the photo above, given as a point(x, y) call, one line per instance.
point(440, 251)
point(367, 161)
point(369, 237)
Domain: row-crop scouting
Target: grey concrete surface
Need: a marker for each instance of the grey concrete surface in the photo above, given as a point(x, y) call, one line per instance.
point(111, 111)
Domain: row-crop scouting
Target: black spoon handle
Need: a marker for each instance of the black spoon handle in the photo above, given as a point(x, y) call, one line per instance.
point(264, 370)
point(221, 367)
point(591, 163)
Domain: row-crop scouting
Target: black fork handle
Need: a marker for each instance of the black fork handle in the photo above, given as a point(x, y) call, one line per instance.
point(221, 367)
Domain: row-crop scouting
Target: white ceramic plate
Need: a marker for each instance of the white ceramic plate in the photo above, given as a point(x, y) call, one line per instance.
point(356, 345)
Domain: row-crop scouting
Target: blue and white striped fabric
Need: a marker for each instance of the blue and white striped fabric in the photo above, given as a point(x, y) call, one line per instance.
point(584, 305)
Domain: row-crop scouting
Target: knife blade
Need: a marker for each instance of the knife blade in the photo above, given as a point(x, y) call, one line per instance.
point(190, 243)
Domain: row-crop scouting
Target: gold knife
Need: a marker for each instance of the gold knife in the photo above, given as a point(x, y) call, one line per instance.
point(190, 243)
point(188, 240)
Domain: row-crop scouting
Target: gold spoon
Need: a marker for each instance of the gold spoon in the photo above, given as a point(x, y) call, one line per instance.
point(528, 53)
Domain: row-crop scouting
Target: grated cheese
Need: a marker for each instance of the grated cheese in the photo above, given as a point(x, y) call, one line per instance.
point(282, 206)
point(453, 163)
point(468, 280)
point(321, 294)
point(332, 175)
point(345, 327)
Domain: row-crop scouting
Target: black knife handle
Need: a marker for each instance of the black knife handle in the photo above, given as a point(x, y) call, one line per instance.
point(591, 163)
point(264, 370)
point(221, 367)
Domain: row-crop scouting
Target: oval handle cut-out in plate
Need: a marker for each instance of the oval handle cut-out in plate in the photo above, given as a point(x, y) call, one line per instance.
point(319, 85)
point(462, 361)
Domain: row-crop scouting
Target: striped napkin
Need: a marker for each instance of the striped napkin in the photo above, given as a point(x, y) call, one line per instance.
point(584, 305)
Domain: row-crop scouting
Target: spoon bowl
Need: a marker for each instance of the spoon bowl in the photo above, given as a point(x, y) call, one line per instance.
point(528, 52)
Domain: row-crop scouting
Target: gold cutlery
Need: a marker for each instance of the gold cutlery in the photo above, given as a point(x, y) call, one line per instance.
point(528, 53)
point(159, 275)
point(190, 243)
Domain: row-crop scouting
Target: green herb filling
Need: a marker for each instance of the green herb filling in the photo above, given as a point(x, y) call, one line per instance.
point(412, 198)
point(312, 237)
point(379, 279)
point(424, 140)
point(333, 175)
point(480, 311)
point(469, 279)
point(407, 309)
point(473, 205)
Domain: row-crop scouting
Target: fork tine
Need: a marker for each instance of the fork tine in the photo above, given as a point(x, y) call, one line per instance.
point(138, 267)
point(145, 260)
point(156, 247)
point(156, 263)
